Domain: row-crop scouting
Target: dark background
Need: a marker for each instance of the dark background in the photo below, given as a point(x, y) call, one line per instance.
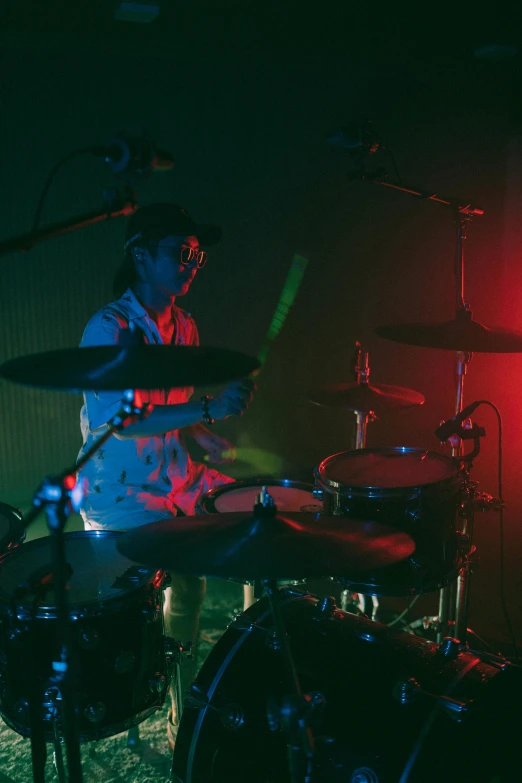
point(244, 96)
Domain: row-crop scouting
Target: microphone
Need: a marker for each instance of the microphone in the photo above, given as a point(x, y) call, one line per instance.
point(353, 139)
point(452, 426)
point(134, 157)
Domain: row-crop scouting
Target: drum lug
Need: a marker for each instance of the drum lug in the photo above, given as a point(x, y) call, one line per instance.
point(318, 493)
point(95, 713)
point(409, 691)
point(158, 683)
point(88, 640)
point(176, 650)
point(326, 607)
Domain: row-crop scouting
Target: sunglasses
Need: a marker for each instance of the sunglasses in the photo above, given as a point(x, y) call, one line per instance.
point(187, 254)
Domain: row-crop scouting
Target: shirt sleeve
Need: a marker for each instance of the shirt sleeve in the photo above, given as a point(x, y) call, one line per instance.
point(104, 328)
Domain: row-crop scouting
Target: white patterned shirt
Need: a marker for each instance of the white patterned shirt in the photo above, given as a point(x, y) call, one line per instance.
point(134, 481)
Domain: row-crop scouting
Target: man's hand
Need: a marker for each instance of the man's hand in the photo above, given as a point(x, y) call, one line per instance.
point(233, 400)
point(219, 451)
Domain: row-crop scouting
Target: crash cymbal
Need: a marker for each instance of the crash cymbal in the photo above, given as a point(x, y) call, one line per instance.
point(462, 334)
point(366, 397)
point(113, 367)
point(286, 545)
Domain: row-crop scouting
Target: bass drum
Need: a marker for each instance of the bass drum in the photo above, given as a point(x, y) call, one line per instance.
point(116, 625)
point(396, 707)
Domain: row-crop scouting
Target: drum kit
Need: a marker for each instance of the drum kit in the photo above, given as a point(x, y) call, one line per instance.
point(296, 689)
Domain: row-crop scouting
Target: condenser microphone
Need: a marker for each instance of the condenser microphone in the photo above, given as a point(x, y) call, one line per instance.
point(452, 426)
point(134, 156)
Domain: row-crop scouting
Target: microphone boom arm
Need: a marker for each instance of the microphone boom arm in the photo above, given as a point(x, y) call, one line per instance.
point(117, 206)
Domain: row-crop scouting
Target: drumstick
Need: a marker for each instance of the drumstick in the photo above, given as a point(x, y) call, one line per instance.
point(286, 300)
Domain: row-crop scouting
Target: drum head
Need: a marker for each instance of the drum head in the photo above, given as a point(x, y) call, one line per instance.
point(98, 571)
point(241, 496)
point(390, 468)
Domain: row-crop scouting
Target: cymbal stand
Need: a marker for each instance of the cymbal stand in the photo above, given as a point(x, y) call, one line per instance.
point(362, 375)
point(293, 712)
point(463, 211)
point(58, 496)
point(367, 604)
point(454, 598)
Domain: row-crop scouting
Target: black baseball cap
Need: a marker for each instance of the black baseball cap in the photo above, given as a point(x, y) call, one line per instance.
point(156, 221)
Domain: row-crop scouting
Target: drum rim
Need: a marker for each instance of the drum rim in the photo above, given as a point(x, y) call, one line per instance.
point(80, 609)
point(209, 498)
point(327, 483)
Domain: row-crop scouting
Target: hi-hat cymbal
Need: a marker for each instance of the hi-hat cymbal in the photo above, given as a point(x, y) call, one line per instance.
point(461, 334)
point(286, 545)
point(366, 397)
point(113, 367)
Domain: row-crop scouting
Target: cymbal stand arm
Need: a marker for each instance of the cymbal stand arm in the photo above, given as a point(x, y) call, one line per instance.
point(300, 744)
point(117, 206)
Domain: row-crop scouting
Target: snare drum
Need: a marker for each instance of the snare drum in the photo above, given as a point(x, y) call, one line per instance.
point(241, 496)
point(416, 491)
point(390, 707)
point(116, 624)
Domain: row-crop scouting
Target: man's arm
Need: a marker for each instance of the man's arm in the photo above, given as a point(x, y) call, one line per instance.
point(232, 401)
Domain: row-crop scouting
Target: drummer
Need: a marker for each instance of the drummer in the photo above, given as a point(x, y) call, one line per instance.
point(146, 473)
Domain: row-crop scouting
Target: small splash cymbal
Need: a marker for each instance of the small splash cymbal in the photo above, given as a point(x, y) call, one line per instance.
point(366, 397)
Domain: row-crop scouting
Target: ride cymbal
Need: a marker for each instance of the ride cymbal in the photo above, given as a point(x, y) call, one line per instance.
point(366, 397)
point(264, 545)
point(461, 334)
point(114, 367)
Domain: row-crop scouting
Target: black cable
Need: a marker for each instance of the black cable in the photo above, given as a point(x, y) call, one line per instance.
point(501, 526)
point(403, 614)
point(49, 180)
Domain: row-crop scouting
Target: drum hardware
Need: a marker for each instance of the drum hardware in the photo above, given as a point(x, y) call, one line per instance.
point(232, 716)
point(409, 691)
point(465, 336)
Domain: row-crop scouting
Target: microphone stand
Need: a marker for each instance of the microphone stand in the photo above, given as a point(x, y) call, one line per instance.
point(56, 495)
point(116, 206)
